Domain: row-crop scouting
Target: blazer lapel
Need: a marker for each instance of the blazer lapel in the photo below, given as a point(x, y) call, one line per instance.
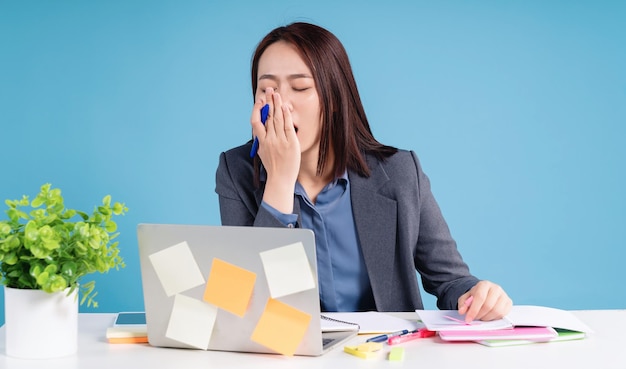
point(375, 216)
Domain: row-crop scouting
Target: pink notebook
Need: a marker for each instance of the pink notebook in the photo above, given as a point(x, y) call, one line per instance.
point(518, 333)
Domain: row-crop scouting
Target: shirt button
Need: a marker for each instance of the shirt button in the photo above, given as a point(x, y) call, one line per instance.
point(290, 225)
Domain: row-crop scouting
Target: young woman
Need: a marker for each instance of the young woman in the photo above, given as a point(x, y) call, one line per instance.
point(318, 166)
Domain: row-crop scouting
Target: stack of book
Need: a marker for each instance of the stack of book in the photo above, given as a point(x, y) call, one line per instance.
point(128, 327)
point(523, 325)
point(127, 335)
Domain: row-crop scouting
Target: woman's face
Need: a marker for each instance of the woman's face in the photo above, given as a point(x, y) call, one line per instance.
point(282, 69)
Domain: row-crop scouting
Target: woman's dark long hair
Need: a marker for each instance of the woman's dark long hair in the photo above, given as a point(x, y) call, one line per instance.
point(344, 125)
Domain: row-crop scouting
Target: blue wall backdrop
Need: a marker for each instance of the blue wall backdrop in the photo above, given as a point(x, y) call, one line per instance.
point(517, 110)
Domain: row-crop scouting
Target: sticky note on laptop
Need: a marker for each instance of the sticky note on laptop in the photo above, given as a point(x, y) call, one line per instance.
point(191, 322)
point(229, 287)
point(177, 269)
point(281, 327)
point(287, 270)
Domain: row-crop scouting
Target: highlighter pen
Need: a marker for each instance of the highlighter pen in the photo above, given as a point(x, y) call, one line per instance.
point(385, 337)
point(255, 145)
point(467, 304)
point(420, 333)
point(457, 320)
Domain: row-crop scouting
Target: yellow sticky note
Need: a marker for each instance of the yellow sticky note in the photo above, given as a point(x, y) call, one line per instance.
point(287, 270)
point(281, 327)
point(177, 269)
point(353, 350)
point(396, 354)
point(229, 287)
point(191, 322)
point(370, 346)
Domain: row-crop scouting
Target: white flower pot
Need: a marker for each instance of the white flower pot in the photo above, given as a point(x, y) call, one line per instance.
point(40, 325)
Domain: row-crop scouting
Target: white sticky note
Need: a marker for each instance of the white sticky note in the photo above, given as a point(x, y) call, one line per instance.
point(191, 322)
point(287, 270)
point(177, 269)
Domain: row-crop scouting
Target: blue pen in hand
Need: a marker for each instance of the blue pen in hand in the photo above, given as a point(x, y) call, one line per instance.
point(255, 145)
point(385, 337)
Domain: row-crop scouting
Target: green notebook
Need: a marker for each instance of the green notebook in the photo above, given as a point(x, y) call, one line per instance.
point(564, 335)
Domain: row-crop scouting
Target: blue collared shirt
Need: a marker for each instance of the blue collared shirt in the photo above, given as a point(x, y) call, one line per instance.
point(343, 281)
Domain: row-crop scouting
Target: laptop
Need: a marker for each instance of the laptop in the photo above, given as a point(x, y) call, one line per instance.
point(244, 289)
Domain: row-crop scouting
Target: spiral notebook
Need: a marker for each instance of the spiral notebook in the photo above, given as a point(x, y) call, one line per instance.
point(368, 322)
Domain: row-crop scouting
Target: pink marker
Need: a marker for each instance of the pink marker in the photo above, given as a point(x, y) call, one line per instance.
point(420, 333)
point(457, 320)
point(467, 304)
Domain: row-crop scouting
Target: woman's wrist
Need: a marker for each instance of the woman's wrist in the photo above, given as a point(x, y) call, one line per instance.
point(279, 196)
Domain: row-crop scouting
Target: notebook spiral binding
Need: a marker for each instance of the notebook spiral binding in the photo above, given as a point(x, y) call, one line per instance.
point(340, 321)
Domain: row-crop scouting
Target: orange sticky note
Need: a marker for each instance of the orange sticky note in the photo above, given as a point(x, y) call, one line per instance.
point(128, 340)
point(229, 287)
point(281, 327)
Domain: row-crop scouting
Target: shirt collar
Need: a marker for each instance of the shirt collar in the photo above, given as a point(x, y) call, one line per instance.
point(342, 180)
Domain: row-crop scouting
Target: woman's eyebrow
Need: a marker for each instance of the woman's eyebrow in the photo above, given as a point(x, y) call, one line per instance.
point(299, 75)
point(289, 77)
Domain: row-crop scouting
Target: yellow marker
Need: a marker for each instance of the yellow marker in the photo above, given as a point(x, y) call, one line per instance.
point(352, 350)
point(396, 354)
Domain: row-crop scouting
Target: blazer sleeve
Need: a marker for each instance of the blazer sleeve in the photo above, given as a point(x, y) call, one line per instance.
point(437, 259)
point(238, 199)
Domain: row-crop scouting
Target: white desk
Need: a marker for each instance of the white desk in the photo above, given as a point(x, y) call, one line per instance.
point(605, 349)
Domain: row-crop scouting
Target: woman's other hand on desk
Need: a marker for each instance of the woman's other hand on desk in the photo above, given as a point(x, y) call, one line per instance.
point(485, 301)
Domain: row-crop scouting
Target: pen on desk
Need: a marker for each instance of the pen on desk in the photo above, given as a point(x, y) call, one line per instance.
point(255, 145)
point(420, 333)
point(385, 337)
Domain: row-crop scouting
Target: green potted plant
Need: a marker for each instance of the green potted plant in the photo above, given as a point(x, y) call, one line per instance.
point(45, 251)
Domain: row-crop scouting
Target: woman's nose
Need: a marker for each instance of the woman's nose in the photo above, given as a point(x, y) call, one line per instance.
point(285, 94)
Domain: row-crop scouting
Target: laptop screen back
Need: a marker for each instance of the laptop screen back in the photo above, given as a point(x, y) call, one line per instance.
point(246, 289)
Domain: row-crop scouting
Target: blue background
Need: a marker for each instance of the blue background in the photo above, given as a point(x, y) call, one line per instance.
point(517, 110)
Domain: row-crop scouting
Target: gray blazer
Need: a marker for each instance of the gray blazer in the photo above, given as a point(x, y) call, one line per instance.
point(399, 225)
